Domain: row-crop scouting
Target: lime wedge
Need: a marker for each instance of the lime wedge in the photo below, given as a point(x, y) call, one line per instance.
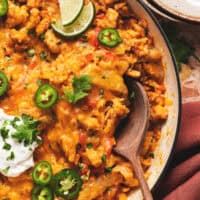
point(80, 25)
point(70, 10)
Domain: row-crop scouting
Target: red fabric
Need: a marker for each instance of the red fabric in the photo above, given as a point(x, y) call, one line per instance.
point(182, 182)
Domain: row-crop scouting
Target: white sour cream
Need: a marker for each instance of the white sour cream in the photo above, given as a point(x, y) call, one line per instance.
point(23, 155)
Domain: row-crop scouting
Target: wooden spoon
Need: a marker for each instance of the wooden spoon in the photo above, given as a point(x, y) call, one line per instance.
point(133, 132)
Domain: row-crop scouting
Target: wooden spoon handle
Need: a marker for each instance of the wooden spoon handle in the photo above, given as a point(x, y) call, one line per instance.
point(140, 176)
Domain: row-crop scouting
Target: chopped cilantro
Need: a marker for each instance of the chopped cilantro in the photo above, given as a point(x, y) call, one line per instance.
point(43, 55)
point(89, 145)
point(4, 133)
point(11, 156)
point(151, 154)
point(5, 171)
point(27, 131)
point(7, 146)
point(39, 82)
point(107, 188)
point(101, 91)
point(42, 36)
point(81, 85)
point(108, 169)
point(103, 158)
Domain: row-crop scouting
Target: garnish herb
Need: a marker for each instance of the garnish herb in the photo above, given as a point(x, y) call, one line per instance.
point(27, 131)
point(107, 188)
point(89, 145)
point(101, 91)
point(43, 55)
point(7, 146)
point(4, 133)
point(42, 36)
point(151, 154)
point(81, 86)
point(11, 157)
point(108, 169)
point(39, 82)
point(5, 171)
point(103, 158)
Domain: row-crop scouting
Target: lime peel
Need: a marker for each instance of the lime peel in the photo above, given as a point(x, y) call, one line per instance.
point(80, 25)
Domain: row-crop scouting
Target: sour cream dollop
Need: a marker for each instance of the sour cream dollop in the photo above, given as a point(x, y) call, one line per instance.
point(16, 158)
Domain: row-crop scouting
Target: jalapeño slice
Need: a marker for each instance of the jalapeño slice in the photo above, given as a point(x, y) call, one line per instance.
point(109, 37)
point(67, 184)
point(42, 173)
point(41, 193)
point(3, 83)
point(46, 96)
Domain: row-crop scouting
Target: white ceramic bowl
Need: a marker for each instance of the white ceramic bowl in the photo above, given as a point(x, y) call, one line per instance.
point(183, 9)
point(169, 131)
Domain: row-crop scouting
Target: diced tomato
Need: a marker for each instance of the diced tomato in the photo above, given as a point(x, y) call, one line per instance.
point(100, 16)
point(83, 138)
point(84, 170)
point(109, 56)
point(89, 57)
point(93, 40)
point(32, 63)
point(92, 102)
point(162, 88)
point(108, 144)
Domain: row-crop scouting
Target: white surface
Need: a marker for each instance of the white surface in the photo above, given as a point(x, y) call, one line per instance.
point(23, 156)
point(189, 8)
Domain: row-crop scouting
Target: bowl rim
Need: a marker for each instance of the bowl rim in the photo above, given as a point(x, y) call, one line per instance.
point(169, 14)
point(177, 13)
point(167, 164)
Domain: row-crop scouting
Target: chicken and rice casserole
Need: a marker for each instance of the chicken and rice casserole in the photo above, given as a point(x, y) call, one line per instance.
point(78, 133)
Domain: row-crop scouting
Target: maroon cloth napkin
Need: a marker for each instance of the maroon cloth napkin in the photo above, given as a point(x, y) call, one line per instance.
point(182, 181)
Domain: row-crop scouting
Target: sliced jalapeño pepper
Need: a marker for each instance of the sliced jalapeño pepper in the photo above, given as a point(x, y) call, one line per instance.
point(67, 184)
point(46, 96)
point(109, 37)
point(41, 193)
point(42, 173)
point(3, 83)
point(3, 7)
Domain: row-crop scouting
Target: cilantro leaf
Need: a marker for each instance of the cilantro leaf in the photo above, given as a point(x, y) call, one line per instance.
point(11, 156)
point(4, 133)
point(7, 146)
point(81, 85)
point(27, 131)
